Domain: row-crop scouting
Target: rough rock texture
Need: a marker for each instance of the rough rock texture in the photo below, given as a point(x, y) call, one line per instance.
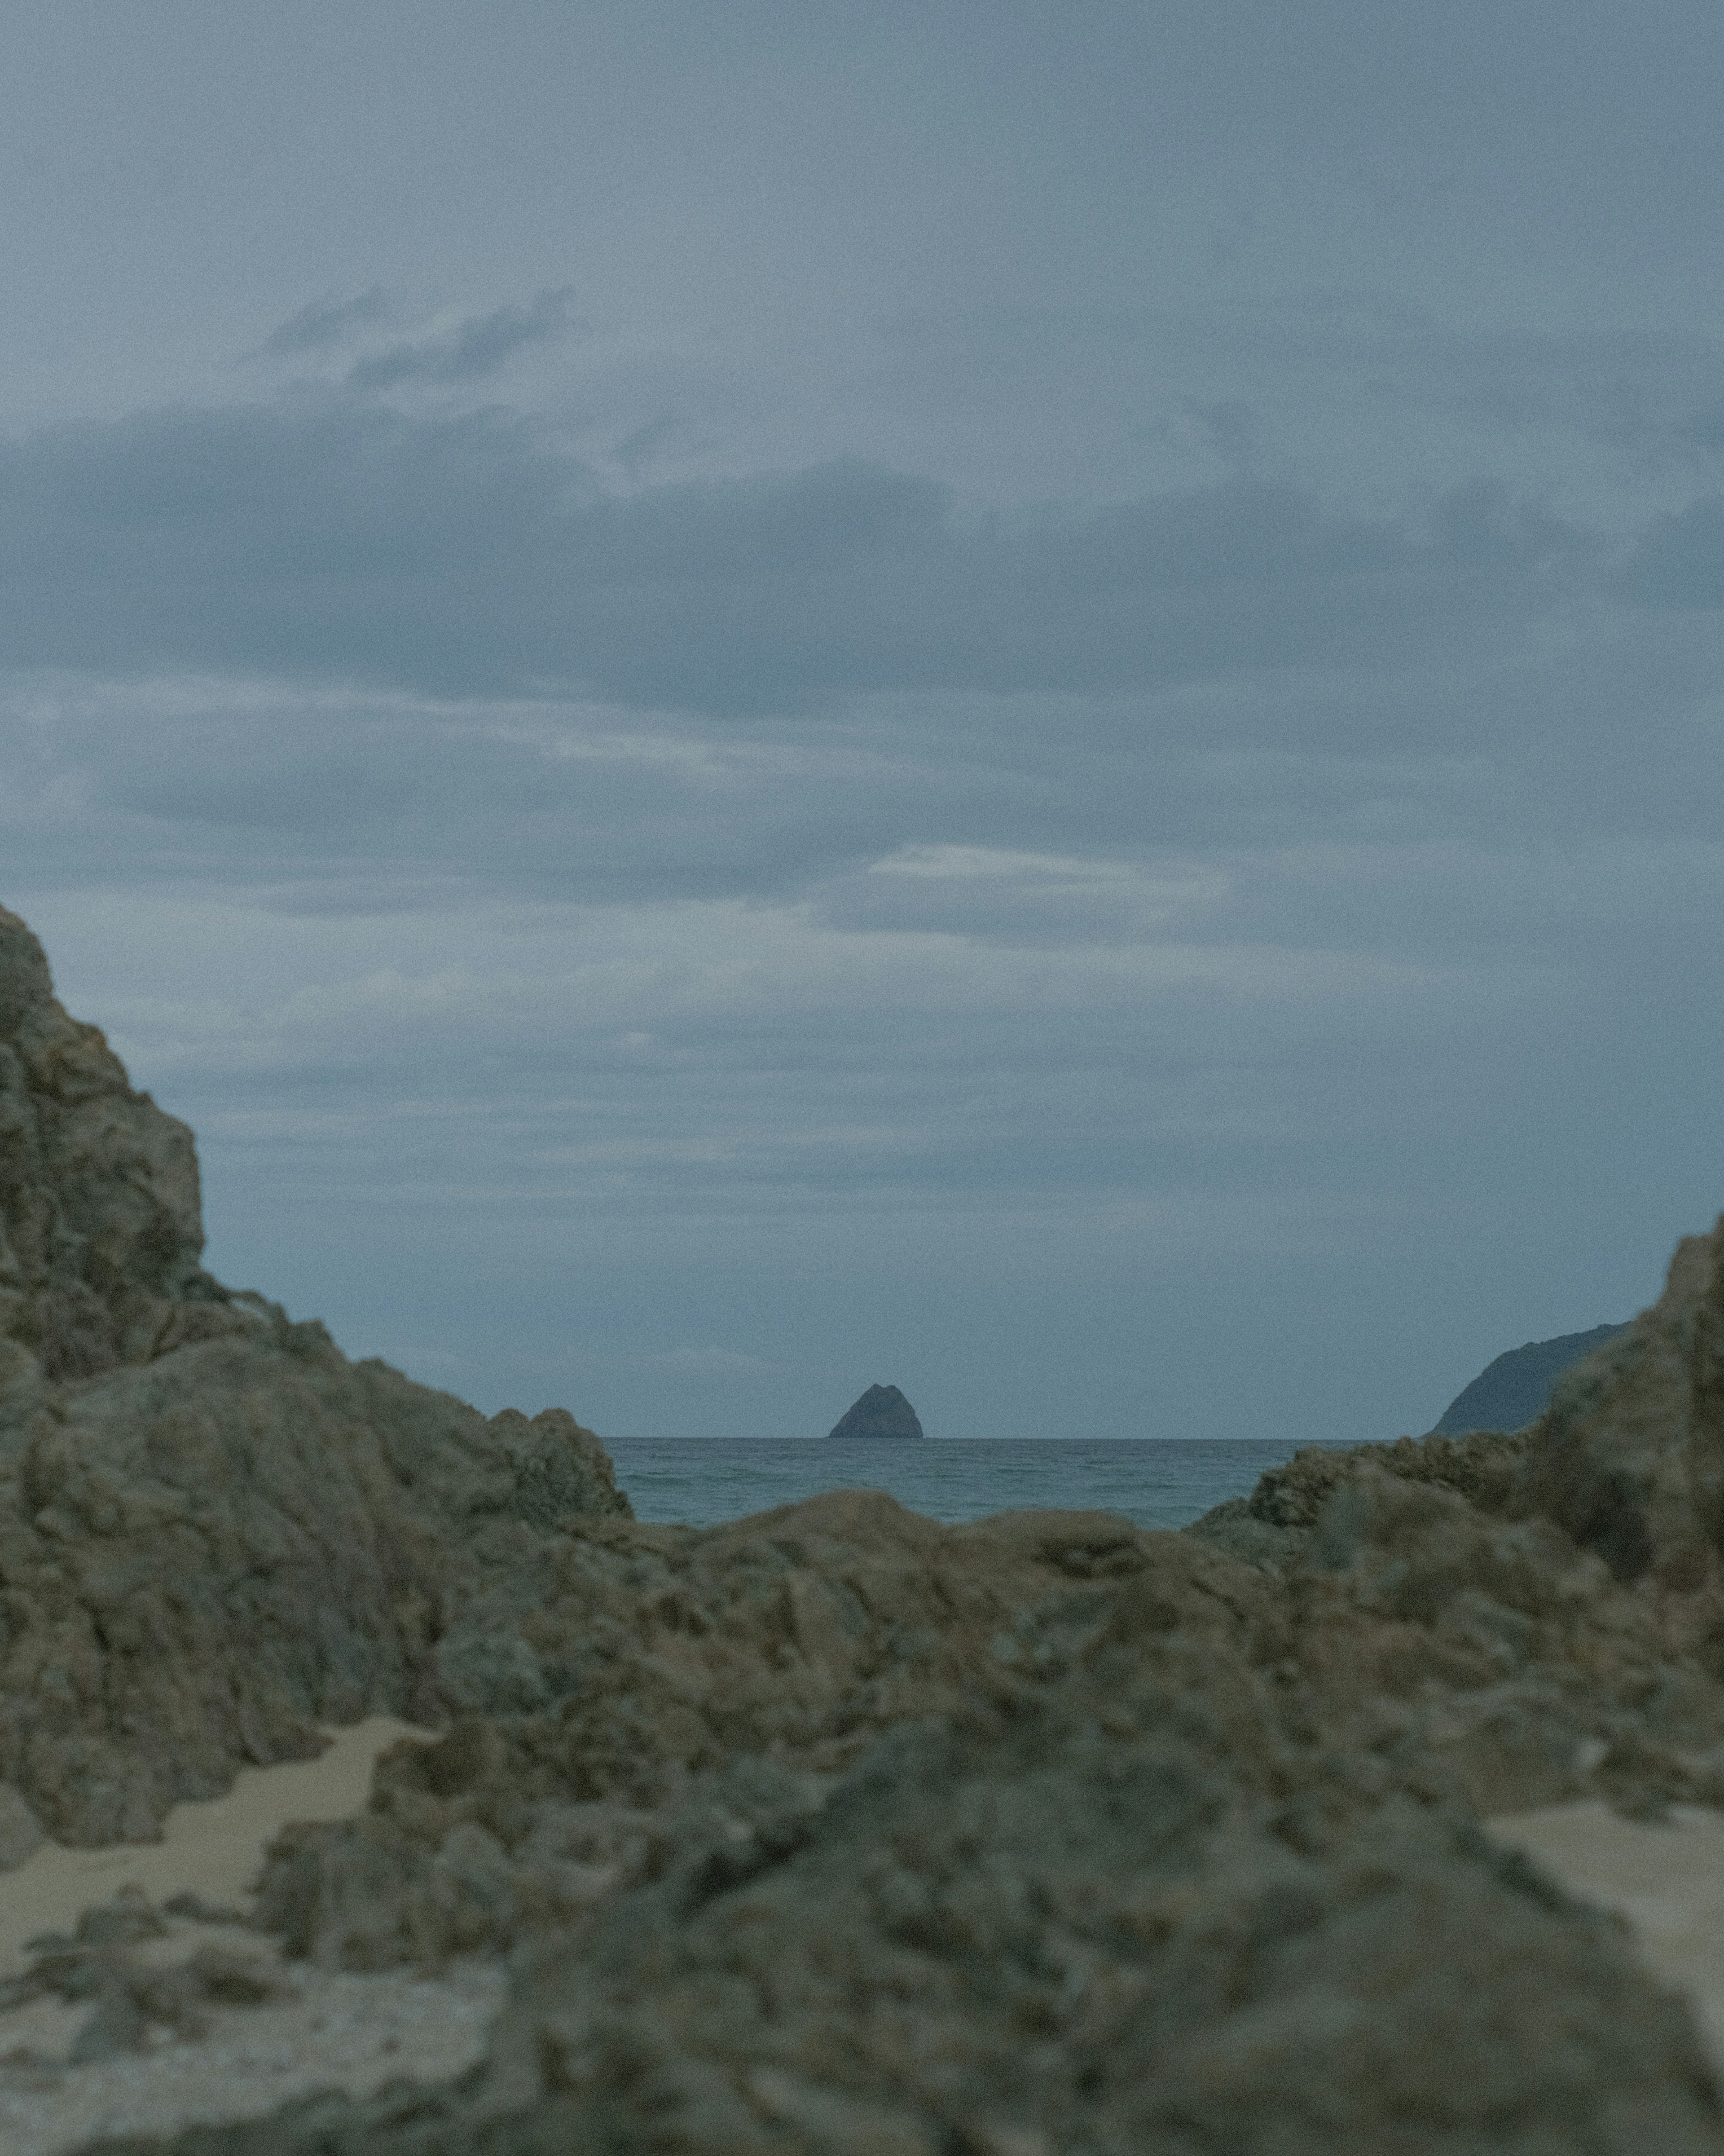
point(215, 1530)
point(882, 1411)
point(1062, 1940)
point(838, 1830)
point(1515, 1388)
point(100, 1227)
point(664, 1655)
point(1121, 1894)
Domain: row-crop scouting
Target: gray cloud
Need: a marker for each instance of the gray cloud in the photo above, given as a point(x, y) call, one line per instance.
point(1073, 846)
point(474, 349)
point(1679, 563)
point(470, 554)
point(321, 324)
point(1019, 1027)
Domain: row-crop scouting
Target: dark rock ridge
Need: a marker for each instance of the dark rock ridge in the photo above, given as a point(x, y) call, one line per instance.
point(882, 1411)
point(1515, 1388)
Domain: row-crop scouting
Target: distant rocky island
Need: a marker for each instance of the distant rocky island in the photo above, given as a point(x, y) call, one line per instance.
point(882, 1411)
point(1515, 1388)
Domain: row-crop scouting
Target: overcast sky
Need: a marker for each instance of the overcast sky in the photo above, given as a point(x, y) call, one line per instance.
point(1021, 700)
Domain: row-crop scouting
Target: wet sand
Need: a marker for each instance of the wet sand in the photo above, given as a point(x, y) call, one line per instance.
point(324, 2029)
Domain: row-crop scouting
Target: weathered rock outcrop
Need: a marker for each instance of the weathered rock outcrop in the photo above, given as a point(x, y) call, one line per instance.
point(100, 1225)
point(215, 1530)
point(882, 1412)
point(836, 1829)
point(858, 1833)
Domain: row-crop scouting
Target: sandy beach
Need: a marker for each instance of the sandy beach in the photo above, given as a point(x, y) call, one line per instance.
point(322, 2029)
point(330, 2030)
point(1666, 1880)
point(211, 1849)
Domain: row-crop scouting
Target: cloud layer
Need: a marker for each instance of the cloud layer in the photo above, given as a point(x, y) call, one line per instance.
point(745, 703)
point(469, 554)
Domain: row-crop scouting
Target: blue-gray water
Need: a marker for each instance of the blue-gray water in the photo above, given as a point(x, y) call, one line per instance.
point(1157, 1483)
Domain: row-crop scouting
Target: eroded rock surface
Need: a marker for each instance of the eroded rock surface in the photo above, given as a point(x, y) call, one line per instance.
point(100, 1225)
point(864, 1834)
point(838, 1829)
point(215, 1530)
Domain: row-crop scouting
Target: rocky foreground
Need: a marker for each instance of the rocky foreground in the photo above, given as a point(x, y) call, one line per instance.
point(835, 1829)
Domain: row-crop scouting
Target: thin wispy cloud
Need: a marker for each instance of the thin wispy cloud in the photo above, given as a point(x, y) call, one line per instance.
point(321, 324)
point(475, 350)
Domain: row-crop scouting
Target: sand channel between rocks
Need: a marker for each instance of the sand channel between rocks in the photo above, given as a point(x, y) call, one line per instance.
point(355, 2033)
point(322, 2030)
point(1666, 1880)
point(213, 1849)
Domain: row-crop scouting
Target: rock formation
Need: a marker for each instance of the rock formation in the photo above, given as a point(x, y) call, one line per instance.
point(101, 1226)
point(839, 1830)
point(1515, 1388)
point(848, 1832)
point(881, 1412)
point(215, 1530)
point(836, 1830)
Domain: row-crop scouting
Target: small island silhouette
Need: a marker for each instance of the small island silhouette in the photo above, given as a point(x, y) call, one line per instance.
point(882, 1411)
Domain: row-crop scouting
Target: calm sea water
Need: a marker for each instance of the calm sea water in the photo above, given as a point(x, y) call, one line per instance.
point(1164, 1483)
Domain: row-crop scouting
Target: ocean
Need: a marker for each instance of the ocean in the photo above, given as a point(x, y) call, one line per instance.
point(1158, 1482)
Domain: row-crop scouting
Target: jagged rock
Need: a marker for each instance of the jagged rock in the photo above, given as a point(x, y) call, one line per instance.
point(803, 1633)
point(1040, 1833)
point(100, 1225)
point(881, 1412)
point(1515, 1388)
point(836, 1829)
point(1629, 1457)
point(215, 1530)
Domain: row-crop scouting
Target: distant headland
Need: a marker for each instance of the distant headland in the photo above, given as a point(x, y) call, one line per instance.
point(1515, 1388)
